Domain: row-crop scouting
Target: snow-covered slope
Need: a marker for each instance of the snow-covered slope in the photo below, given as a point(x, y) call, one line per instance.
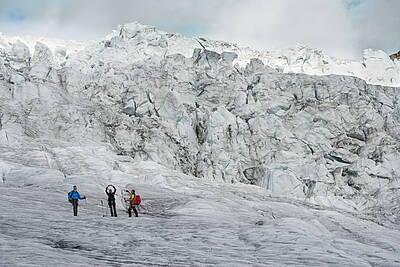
point(166, 113)
point(185, 222)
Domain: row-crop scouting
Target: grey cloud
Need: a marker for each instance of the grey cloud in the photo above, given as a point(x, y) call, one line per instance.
point(279, 23)
point(378, 25)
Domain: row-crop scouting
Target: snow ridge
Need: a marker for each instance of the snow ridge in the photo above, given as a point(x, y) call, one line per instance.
point(376, 67)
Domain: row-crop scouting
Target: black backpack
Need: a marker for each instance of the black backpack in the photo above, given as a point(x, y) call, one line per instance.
point(69, 199)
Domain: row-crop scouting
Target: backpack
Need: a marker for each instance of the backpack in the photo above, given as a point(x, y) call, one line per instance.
point(137, 200)
point(70, 200)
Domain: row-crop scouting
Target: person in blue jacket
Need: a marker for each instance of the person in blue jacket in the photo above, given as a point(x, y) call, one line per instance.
point(74, 197)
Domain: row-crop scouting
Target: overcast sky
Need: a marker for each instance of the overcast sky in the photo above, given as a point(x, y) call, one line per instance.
point(342, 28)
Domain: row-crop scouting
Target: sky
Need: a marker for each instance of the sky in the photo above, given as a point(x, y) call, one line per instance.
point(341, 28)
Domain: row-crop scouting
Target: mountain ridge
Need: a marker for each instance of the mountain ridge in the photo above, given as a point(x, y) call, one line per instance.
point(217, 119)
point(375, 68)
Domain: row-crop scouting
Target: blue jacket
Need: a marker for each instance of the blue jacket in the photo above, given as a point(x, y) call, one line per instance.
point(74, 195)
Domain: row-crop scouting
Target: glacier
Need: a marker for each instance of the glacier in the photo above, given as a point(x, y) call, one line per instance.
point(239, 155)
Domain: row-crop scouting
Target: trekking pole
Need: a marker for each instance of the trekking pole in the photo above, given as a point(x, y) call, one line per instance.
point(102, 208)
point(85, 206)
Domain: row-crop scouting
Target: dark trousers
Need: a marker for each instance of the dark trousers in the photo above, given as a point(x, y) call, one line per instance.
point(113, 211)
point(75, 206)
point(132, 207)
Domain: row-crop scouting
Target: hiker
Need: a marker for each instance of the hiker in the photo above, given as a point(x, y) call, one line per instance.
point(111, 199)
point(74, 197)
point(134, 201)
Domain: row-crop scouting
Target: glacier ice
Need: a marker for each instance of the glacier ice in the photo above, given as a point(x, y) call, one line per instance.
point(295, 133)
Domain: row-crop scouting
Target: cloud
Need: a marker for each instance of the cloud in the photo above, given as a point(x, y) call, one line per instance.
point(378, 24)
point(279, 23)
point(339, 27)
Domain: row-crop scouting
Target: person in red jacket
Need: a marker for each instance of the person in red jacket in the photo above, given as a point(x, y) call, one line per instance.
point(132, 203)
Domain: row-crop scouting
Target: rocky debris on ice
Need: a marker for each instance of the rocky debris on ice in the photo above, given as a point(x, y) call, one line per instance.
point(208, 109)
point(395, 56)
